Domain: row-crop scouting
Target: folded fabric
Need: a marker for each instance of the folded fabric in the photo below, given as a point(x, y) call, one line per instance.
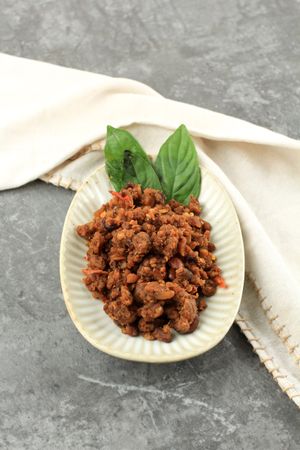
point(52, 125)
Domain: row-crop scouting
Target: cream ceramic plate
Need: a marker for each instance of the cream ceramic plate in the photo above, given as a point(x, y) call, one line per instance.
point(99, 329)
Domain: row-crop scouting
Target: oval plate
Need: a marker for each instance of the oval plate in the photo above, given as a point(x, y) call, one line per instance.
point(87, 313)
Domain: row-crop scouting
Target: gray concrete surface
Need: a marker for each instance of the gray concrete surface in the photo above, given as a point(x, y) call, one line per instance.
point(239, 57)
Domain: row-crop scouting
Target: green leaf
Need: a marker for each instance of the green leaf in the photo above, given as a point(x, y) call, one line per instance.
point(178, 168)
point(126, 161)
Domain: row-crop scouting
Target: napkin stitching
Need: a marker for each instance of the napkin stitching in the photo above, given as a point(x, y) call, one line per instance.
point(58, 180)
point(282, 379)
point(274, 321)
point(50, 176)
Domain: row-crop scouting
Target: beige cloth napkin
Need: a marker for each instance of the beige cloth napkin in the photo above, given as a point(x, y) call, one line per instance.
point(50, 115)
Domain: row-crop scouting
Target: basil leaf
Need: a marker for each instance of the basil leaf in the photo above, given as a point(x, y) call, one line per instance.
point(126, 161)
point(178, 168)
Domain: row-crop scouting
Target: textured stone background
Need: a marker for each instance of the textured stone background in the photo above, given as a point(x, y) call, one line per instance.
point(239, 57)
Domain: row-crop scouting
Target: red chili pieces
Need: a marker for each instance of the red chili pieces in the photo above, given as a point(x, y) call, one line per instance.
point(150, 262)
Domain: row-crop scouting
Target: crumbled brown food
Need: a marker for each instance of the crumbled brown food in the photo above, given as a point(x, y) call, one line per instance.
point(150, 262)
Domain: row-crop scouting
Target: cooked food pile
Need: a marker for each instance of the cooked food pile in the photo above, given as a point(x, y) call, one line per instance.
point(150, 262)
